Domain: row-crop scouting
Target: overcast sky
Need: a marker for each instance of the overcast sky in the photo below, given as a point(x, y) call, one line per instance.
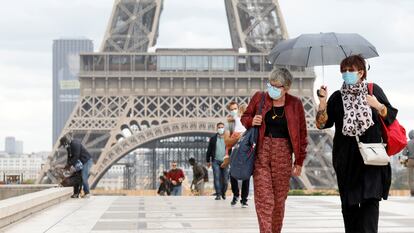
point(28, 28)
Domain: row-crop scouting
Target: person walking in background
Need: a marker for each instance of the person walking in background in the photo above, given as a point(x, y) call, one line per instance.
point(233, 132)
point(198, 177)
point(76, 151)
point(165, 187)
point(409, 152)
point(355, 112)
point(214, 157)
point(282, 130)
point(176, 176)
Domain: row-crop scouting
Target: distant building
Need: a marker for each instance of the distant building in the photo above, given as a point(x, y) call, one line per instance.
point(113, 179)
point(10, 145)
point(19, 147)
point(20, 169)
point(66, 79)
point(41, 154)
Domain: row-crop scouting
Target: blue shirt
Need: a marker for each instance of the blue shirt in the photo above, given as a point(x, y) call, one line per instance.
point(220, 149)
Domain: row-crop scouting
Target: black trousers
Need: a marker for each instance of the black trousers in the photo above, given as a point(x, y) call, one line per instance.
point(361, 218)
point(77, 188)
point(244, 190)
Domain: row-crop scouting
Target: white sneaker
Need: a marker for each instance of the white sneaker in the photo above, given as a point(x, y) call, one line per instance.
point(87, 196)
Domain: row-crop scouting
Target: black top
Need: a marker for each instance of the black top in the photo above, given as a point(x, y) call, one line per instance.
point(357, 181)
point(211, 150)
point(77, 151)
point(276, 123)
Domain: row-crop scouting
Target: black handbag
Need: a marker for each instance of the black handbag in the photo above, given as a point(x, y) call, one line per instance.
point(243, 153)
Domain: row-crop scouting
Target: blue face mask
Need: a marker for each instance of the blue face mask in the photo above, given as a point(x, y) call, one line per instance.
point(274, 93)
point(350, 78)
point(220, 131)
point(234, 113)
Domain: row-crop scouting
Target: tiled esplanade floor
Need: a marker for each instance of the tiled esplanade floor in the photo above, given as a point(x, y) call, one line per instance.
point(105, 214)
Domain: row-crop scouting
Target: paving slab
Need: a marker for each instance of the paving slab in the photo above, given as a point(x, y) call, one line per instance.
point(108, 214)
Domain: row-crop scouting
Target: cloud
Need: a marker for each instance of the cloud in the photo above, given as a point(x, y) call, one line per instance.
point(194, 24)
point(32, 25)
point(386, 24)
point(27, 115)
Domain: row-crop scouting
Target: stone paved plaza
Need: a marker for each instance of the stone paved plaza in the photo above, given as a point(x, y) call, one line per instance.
point(105, 214)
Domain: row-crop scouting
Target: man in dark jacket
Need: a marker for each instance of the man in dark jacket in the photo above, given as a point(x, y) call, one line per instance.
point(215, 156)
point(198, 177)
point(76, 151)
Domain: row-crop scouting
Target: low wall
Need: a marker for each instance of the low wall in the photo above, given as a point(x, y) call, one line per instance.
point(15, 208)
point(8, 191)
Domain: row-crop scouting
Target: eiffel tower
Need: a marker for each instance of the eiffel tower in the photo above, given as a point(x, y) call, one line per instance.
point(133, 95)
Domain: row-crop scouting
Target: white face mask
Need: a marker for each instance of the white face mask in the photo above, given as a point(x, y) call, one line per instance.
point(234, 113)
point(220, 131)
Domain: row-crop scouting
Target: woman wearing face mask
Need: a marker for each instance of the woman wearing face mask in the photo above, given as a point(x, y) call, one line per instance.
point(356, 113)
point(282, 131)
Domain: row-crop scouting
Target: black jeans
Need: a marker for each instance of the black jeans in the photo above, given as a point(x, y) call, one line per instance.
point(361, 218)
point(244, 189)
point(77, 188)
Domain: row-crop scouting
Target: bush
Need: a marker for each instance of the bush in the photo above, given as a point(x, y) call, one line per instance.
point(296, 192)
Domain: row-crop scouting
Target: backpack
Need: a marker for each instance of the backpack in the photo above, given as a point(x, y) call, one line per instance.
point(243, 154)
point(205, 174)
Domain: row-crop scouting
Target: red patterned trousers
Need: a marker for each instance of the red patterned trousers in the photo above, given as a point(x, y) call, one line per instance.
point(272, 172)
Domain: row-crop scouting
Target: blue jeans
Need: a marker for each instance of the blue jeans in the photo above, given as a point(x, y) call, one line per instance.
point(85, 175)
point(176, 190)
point(221, 178)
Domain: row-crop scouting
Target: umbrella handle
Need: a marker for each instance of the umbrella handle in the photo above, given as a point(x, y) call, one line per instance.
point(323, 74)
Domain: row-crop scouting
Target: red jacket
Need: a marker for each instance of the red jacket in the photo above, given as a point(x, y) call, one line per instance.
point(296, 121)
point(175, 175)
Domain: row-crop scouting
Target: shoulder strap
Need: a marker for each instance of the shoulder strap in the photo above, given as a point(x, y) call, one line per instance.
point(371, 92)
point(370, 88)
point(261, 104)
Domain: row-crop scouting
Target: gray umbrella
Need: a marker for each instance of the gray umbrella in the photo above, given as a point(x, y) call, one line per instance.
point(321, 49)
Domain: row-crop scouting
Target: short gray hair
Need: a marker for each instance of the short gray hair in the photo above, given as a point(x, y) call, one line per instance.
point(281, 75)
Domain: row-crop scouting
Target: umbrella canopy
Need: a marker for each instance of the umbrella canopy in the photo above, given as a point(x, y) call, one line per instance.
point(321, 49)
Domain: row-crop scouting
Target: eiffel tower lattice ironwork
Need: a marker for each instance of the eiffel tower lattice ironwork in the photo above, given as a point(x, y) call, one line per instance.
point(131, 95)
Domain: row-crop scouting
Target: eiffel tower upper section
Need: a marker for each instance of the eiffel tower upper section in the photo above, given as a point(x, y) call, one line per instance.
point(255, 25)
point(133, 26)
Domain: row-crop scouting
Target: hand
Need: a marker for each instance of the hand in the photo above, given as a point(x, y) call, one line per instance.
point(180, 180)
point(373, 102)
point(174, 182)
point(208, 165)
point(225, 162)
point(323, 94)
point(257, 120)
point(230, 118)
point(296, 170)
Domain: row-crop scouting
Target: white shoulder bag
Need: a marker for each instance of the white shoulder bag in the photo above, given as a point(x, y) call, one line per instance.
point(373, 153)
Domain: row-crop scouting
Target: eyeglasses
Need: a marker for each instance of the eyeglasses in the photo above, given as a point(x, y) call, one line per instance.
point(274, 86)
